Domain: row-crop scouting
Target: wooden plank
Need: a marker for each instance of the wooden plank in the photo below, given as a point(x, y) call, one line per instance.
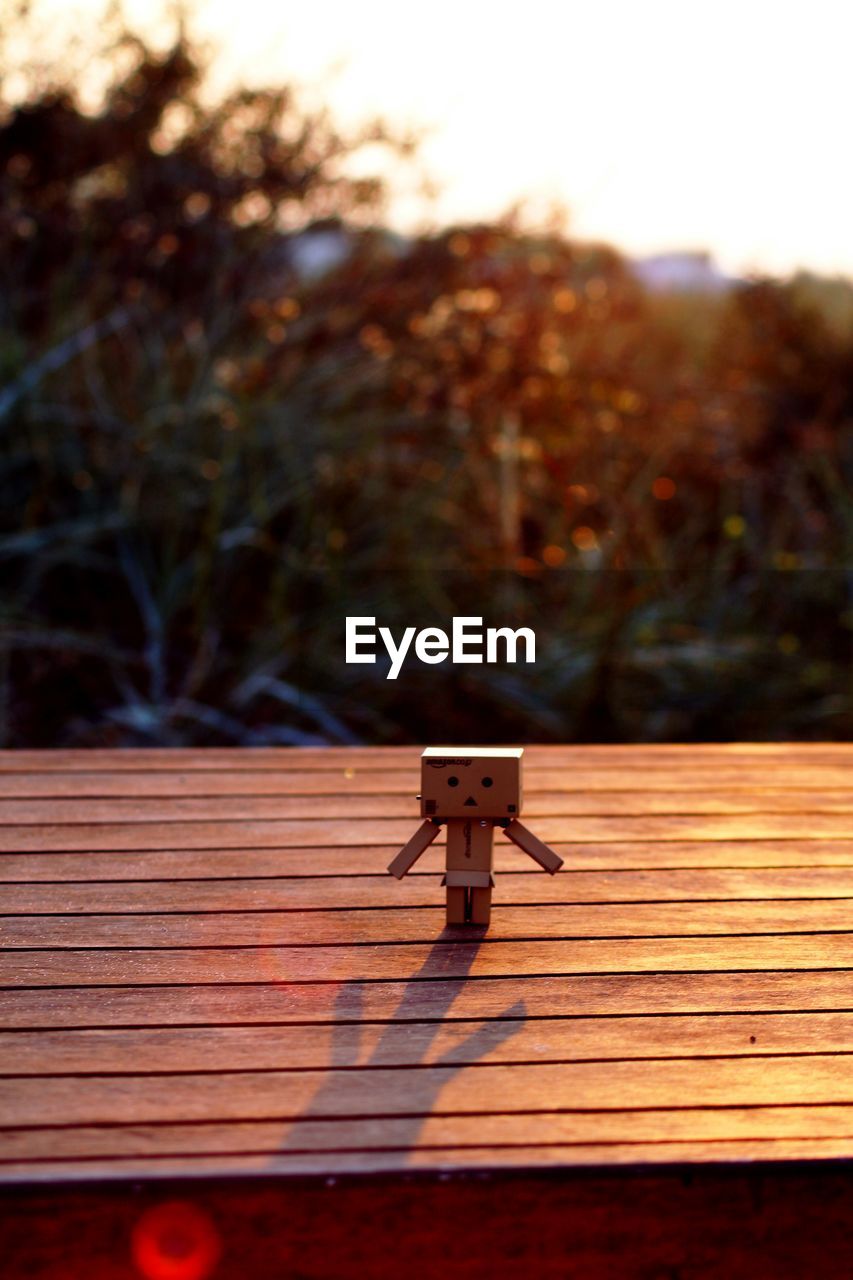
point(344, 927)
point(300, 893)
point(393, 961)
point(441, 1161)
point(282, 1003)
point(552, 805)
point(742, 778)
point(515, 1039)
point(451, 1089)
point(687, 1127)
point(180, 759)
point(614, 858)
point(322, 833)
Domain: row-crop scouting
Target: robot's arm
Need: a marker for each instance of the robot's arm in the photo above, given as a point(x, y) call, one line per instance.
point(409, 854)
point(533, 847)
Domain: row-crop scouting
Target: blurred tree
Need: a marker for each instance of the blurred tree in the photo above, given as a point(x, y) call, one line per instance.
point(136, 240)
point(236, 409)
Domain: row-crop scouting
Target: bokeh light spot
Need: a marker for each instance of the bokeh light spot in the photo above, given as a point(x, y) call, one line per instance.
point(175, 1241)
point(583, 493)
point(629, 401)
point(584, 538)
point(565, 301)
point(539, 263)
point(196, 205)
point(663, 488)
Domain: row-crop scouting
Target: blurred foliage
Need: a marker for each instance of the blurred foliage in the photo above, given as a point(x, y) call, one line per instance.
point(213, 451)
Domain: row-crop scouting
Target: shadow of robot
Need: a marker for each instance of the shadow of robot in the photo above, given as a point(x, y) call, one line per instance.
point(403, 1045)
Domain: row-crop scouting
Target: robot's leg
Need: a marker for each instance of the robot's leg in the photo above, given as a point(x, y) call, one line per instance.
point(456, 905)
point(481, 906)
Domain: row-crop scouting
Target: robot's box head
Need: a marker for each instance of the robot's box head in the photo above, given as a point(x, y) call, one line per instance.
point(471, 782)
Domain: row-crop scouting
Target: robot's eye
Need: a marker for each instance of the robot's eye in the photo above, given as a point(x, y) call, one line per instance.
point(487, 782)
point(453, 782)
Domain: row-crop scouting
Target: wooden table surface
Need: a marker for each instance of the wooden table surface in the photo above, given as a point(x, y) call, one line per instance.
point(207, 971)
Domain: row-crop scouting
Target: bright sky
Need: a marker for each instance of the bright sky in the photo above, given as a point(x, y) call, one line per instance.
point(660, 124)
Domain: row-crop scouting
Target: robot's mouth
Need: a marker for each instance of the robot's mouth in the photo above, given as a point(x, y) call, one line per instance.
point(471, 800)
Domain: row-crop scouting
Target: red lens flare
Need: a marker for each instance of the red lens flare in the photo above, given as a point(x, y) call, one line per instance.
point(175, 1241)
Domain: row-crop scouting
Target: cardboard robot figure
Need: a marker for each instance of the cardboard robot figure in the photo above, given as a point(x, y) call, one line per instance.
point(471, 790)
